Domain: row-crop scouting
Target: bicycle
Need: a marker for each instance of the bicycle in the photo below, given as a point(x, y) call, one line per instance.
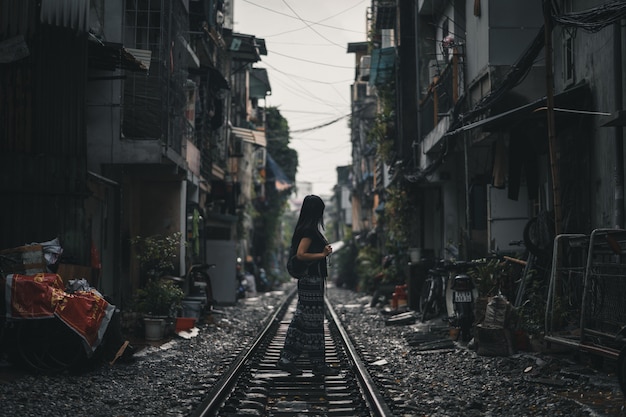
point(42, 344)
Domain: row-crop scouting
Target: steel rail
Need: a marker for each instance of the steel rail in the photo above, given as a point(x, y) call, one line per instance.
point(376, 401)
point(225, 385)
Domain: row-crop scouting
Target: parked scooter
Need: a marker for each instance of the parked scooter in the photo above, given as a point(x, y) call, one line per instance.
point(197, 286)
point(462, 294)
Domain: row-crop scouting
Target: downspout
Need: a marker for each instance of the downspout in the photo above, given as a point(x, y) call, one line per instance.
point(619, 130)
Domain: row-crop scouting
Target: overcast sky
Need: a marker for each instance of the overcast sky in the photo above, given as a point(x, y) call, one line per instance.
point(310, 73)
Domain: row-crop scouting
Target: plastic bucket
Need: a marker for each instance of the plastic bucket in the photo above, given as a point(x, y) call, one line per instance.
point(184, 323)
point(191, 308)
point(154, 329)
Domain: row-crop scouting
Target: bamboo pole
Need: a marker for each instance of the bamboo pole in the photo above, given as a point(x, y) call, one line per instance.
point(554, 147)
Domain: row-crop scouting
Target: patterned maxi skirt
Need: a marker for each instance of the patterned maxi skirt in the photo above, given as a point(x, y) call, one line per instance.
point(306, 330)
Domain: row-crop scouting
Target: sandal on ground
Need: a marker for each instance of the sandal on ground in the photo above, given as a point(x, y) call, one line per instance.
point(326, 370)
point(288, 366)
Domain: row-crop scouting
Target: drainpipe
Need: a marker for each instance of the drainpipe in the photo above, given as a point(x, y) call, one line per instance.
point(619, 130)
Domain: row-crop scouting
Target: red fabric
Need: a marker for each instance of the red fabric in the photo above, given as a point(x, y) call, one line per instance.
point(34, 296)
point(42, 296)
point(83, 311)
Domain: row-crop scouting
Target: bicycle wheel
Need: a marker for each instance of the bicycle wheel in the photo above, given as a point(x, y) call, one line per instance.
point(48, 345)
point(539, 235)
point(32, 341)
point(429, 305)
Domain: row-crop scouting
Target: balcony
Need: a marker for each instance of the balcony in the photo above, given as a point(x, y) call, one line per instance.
point(437, 106)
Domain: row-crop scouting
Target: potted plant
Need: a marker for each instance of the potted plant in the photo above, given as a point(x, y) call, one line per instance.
point(156, 254)
point(159, 301)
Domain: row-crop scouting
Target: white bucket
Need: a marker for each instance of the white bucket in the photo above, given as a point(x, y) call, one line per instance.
point(154, 329)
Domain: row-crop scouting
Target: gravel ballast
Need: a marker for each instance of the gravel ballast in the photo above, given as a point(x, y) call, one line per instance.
point(171, 378)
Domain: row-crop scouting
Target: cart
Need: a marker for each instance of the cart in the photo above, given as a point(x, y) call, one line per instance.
point(585, 306)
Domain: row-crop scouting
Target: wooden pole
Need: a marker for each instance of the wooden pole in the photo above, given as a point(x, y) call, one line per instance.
point(554, 147)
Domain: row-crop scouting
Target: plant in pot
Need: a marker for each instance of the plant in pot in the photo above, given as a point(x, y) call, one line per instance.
point(159, 301)
point(156, 254)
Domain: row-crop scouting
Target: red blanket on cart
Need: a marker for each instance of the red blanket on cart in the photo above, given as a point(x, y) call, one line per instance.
point(43, 296)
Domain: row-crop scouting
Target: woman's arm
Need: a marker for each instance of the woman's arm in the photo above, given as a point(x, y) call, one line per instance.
point(303, 254)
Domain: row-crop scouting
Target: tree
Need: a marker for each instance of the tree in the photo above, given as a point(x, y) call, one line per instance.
point(269, 212)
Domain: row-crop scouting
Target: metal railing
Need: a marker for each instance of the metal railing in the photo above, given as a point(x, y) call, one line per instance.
point(585, 307)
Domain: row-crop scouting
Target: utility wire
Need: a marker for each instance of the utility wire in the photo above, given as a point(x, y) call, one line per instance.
point(594, 19)
point(311, 62)
point(308, 129)
point(318, 23)
point(311, 26)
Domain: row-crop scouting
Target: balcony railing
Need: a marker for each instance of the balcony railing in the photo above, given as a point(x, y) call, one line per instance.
point(442, 96)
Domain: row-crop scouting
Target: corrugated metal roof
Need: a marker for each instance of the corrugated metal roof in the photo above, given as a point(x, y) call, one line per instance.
point(72, 14)
point(144, 56)
point(256, 137)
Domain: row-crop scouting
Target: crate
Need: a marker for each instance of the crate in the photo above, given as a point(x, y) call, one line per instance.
point(26, 260)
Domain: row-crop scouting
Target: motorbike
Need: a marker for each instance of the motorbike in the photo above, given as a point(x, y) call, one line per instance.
point(197, 286)
point(448, 289)
point(462, 294)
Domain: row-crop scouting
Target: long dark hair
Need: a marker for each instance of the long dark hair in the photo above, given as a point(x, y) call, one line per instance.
point(311, 217)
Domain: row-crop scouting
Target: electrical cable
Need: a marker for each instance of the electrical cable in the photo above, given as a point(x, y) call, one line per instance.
point(318, 23)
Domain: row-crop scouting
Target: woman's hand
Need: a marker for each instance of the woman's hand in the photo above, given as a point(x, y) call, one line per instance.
point(327, 250)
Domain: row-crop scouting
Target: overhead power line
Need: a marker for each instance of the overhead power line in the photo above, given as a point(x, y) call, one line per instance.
point(308, 129)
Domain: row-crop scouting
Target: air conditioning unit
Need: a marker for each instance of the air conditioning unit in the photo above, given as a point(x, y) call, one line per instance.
point(364, 67)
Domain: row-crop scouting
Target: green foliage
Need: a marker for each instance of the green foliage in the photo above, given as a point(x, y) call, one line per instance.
point(159, 297)
point(269, 213)
point(156, 253)
point(397, 217)
point(368, 265)
point(383, 131)
point(496, 277)
point(344, 261)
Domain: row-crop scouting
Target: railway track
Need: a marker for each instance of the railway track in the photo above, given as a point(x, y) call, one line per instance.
point(253, 386)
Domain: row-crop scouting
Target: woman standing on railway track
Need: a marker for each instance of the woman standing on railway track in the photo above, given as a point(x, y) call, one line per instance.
point(306, 330)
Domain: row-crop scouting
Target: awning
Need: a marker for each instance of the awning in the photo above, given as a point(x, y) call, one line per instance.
point(111, 56)
point(214, 77)
point(247, 47)
point(259, 83)
point(504, 119)
point(382, 66)
point(255, 137)
point(194, 61)
point(276, 174)
point(69, 14)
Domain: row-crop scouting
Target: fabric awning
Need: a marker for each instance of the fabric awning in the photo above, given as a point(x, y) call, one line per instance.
point(277, 175)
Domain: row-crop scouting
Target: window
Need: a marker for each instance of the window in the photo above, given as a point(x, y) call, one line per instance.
point(568, 56)
point(143, 23)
